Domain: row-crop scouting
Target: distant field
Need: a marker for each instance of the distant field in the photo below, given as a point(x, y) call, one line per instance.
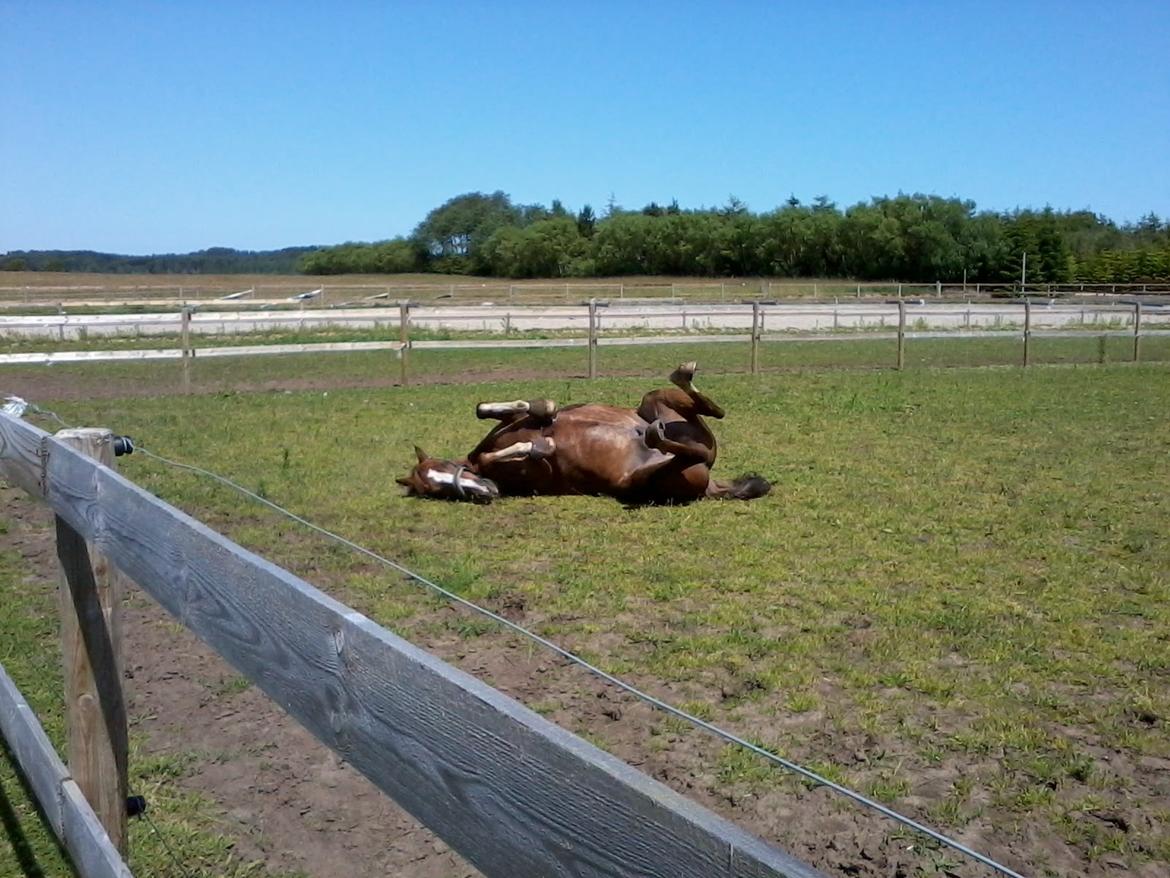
point(955, 599)
point(50, 287)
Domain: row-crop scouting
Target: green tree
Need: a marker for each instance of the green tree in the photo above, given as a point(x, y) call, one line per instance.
point(548, 248)
point(448, 237)
point(586, 222)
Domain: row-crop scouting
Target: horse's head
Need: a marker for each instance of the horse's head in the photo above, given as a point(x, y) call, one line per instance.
point(447, 480)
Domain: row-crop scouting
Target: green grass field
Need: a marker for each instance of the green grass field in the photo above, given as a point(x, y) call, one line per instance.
point(956, 599)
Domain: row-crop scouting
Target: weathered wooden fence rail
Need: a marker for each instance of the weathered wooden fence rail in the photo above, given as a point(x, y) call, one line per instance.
point(513, 793)
point(68, 813)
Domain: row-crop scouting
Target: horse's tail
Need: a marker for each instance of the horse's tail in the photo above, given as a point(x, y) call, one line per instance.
point(746, 487)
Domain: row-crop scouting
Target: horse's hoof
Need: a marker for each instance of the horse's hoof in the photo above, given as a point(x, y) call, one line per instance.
point(684, 374)
point(655, 433)
point(543, 447)
point(542, 409)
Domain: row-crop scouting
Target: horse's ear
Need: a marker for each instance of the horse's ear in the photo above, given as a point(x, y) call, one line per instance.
point(405, 481)
point(420, 454)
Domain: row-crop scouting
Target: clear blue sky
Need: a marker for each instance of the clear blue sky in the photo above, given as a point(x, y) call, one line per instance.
point(156, 127)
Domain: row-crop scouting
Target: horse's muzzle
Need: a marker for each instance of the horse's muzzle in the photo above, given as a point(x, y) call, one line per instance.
point(483, 491)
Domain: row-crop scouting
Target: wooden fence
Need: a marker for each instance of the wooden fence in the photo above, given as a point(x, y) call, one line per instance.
point(848, 325)
point(60, 797)
point(513, 793)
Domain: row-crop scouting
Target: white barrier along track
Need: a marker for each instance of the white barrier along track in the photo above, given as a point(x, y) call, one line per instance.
point(800, 322)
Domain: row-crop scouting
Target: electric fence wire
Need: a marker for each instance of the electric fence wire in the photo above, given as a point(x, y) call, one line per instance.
point(629, 688)
point(167, 846)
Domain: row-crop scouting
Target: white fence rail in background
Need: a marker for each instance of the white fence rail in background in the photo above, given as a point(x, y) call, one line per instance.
point(643, 325)
point(507, 319)
point(516, 795)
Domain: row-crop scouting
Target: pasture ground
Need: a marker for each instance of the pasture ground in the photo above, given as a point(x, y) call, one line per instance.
point(955, 599)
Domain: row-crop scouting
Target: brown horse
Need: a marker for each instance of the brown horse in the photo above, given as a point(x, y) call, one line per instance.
point(661, 452)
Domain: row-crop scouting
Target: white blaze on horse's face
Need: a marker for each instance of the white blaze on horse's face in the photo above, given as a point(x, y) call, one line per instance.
point(461, 482)
point(450, 481)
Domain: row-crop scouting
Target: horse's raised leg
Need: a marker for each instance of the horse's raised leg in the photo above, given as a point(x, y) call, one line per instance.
point(686, 449)
point(541, 409)
point(684, 379)
point(537, 449)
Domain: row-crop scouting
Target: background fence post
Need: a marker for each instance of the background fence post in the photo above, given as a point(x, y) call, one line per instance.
point(91, 650)
point(592, 338)
point(185, 341)
point(404, 337)
point(1027, 332)
point(901, 334)
point(755, 338)
point(1137, 332)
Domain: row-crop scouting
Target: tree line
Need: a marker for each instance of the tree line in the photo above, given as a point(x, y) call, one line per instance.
point(917, 238)
point(914, 238)
point(215, 260)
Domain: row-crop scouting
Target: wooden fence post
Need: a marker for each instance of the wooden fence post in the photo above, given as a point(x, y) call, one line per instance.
point(404, 337)
point(901, 334)
point(91, 646)
point(755, 338)
point(1137, 332)
point(185, 342)
point(1027, 332)
point(592, 338)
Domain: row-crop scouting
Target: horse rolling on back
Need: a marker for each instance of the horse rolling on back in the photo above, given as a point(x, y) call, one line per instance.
point(661, 452)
